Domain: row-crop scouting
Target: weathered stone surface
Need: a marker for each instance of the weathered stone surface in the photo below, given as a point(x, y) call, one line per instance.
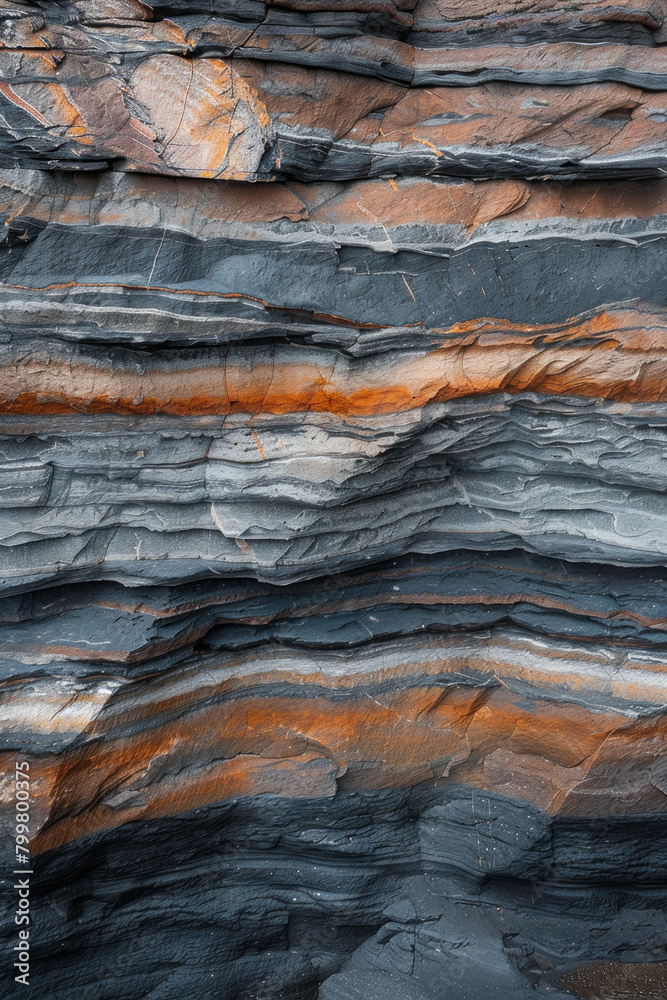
point(333, 540)
point(318, 91)
point(301, 350)
point(421, 891)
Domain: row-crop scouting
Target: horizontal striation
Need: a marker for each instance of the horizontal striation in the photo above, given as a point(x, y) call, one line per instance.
point(365, 267)
point(533, 719)
point(236, 502)
point(56, 631)
point(276, 395)
point(399, 887)
point(333, 540)
point(293, 96)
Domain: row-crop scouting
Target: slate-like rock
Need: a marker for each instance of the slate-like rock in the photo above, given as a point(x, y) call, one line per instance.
point(333, 536)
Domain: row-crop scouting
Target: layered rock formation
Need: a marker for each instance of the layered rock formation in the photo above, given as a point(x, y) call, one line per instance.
point(333, 539)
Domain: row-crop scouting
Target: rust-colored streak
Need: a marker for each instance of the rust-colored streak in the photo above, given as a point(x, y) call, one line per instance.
point(12, 96)
point(187, 754)
point(205, 208)
point(619, 355)
point(52, 108)
point(210, 123)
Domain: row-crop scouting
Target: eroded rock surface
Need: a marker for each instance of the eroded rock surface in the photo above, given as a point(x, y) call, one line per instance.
point(333, 535)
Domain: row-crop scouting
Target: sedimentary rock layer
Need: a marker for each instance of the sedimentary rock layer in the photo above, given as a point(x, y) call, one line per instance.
point(366, 268)
point(410, 891)
point(299, 351)
point(289, 721)
point(294, 91)
point(342, 820)
point(57, 630)
point(333, 541)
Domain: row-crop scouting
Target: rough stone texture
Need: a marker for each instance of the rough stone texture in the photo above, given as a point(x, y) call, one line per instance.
point(333, 536)
point(326, 91)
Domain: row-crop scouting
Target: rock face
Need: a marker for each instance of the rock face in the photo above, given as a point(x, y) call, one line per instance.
point(333, 534)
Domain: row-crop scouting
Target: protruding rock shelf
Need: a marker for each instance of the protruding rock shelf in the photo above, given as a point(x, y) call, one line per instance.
point(333, 532)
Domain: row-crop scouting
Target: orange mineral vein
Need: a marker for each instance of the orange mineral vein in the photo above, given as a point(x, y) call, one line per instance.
point(619, 355)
